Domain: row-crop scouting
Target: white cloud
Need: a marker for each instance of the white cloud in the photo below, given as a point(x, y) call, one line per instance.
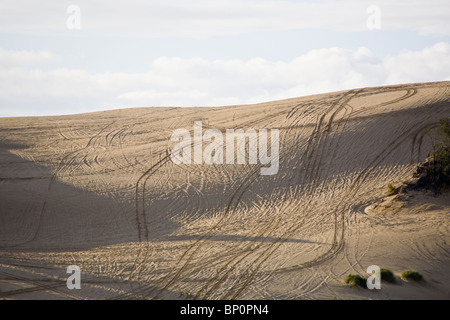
point(411, 66)
point(197, 82)
point(23, 58)
point(205, 17)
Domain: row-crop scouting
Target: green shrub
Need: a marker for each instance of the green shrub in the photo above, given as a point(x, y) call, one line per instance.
point(411, 275)
point(387, 275)
point(355, 280)
point(442, 154)
point(435, 174)
point(390, 189)
point(442, 158)
point(444, 130)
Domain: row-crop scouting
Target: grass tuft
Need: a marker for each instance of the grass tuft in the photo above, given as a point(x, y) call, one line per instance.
point(387, 275)
point(411, 275)
point(355, 280)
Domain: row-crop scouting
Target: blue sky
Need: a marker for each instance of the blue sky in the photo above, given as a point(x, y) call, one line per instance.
point(64, 57)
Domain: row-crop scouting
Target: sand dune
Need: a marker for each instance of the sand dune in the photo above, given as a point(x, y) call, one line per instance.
point(100, 191)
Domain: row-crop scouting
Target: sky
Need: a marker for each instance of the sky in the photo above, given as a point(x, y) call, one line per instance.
point(64, 57)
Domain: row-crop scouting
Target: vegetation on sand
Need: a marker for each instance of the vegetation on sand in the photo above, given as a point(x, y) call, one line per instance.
point(387, 275)
point(390, 189)
point(435, 173)
point(411, 275)
point(355, 280)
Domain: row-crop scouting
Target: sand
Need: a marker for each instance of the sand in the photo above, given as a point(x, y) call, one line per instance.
point(99, 191)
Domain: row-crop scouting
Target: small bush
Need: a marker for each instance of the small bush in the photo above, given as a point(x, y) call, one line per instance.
point(390, 189)
point(355, 280)
point(444, 130)
point(434, 173)
point(411, 275)
point(387, 275)
point(440, 165)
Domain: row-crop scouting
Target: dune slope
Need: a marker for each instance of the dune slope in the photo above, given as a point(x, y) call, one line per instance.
point(100, 191)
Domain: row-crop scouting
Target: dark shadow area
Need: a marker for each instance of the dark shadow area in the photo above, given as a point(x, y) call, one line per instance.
point(234, 238)
point(41, 213)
